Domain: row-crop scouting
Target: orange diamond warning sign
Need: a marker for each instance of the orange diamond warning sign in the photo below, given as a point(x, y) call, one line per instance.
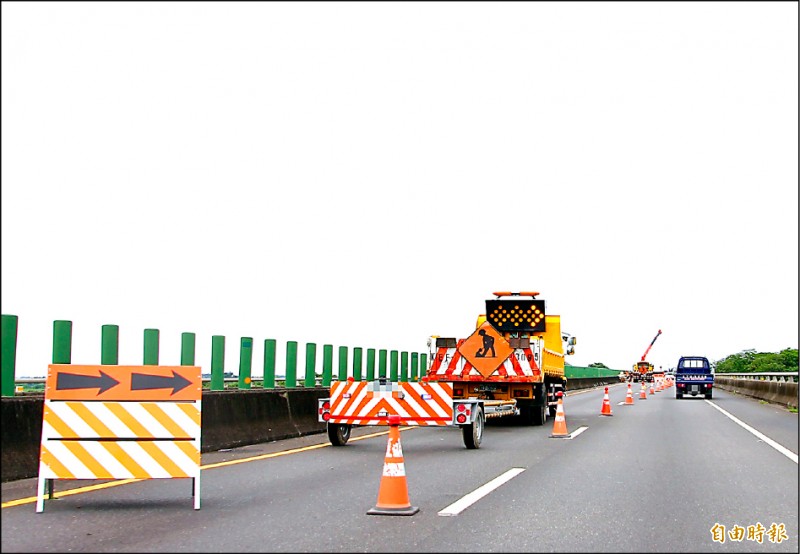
point(485, 349)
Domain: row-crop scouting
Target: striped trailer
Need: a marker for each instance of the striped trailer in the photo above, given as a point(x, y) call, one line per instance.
point(424, 403)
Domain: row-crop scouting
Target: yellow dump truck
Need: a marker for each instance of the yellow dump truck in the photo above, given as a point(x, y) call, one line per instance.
point(513, 361)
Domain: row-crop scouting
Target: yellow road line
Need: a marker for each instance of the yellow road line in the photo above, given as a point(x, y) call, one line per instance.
point(90, 488)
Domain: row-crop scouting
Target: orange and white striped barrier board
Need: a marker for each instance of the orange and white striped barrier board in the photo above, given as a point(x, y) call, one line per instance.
point(521, 363)
point(120, 422)
point(371, 403)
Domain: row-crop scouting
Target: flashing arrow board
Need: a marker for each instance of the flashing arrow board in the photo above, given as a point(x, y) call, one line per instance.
point(140, 383)
point(516, 315)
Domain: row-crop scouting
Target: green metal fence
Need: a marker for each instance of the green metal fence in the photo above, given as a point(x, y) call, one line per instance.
point(109, 355)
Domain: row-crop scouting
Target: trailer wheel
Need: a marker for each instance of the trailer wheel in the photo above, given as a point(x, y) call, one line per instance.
point(473, 432)
point(338, 434)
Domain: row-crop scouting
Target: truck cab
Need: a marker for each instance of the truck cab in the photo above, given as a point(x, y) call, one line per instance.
point(694, 375)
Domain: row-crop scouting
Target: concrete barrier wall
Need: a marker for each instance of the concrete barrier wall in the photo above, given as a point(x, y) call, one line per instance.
point(590, 382)
point(22, 434)
point(229, 419)
point(779, 392)
point(238, 418)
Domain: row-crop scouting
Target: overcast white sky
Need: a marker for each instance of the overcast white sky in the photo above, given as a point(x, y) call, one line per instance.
point(367, 174)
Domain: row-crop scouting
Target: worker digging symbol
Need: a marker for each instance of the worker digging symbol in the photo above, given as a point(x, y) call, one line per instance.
point(488, 343)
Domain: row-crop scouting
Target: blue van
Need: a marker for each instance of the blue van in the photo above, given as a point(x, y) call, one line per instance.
point(694, 376)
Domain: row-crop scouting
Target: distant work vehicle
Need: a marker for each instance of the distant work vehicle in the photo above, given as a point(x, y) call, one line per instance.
point(694, 375)
point(644, 370)
point(511, 365)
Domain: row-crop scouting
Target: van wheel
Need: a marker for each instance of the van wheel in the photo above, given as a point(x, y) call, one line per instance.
point(338, 434)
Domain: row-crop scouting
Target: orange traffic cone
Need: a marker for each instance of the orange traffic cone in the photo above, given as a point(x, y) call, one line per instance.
point(606, 410)
point(651, 388)
point(560, 424)
point(643, 393)
point(393, 492)
point(629, 397)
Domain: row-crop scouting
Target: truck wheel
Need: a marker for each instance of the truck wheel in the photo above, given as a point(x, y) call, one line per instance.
point(539, 415)
point(678, 395)
point(708, 396)
point(552, 410)
point(473, 432)
point(338, 434)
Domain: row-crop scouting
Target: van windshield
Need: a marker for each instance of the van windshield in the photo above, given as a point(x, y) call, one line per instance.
point(693, 365)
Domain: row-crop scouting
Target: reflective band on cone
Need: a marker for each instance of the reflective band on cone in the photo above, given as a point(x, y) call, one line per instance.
point(606, 410)
point(560, 424)
point(629, 397)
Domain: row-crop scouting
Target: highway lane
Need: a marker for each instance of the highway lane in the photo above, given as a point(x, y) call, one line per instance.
point(656, 476)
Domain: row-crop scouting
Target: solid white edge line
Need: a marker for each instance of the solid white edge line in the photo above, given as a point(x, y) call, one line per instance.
point(782, 449)
point(467, 500)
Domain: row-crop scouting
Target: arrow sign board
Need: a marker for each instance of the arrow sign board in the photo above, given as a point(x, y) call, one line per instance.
point(121, 422)
point(120, 382)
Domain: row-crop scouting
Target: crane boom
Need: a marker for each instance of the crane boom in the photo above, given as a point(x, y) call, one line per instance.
point(651, 345)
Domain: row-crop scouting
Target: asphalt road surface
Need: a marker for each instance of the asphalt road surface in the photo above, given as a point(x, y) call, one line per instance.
point(663, 475)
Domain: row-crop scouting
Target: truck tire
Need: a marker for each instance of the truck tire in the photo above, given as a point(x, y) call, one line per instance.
point(678, 395)
point(539, 415)
point(708, 396)
point(531, 414)
point(473, 432)
point(552, 410)
point(338, 434)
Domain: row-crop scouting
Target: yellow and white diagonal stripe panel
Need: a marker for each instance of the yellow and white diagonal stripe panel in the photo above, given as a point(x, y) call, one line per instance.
point(110, 459)
point(121, 420)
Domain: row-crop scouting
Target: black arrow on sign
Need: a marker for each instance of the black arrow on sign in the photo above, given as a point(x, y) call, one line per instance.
point(144, 381)
point(66, 381)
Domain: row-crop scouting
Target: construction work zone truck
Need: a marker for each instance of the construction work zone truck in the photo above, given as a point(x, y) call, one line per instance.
point(513, 362)
point(644, 370)
point(511, 365)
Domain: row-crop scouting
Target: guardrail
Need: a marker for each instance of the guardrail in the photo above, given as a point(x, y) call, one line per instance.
point(785, 376)
point(36, 384)
point(777, 387)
